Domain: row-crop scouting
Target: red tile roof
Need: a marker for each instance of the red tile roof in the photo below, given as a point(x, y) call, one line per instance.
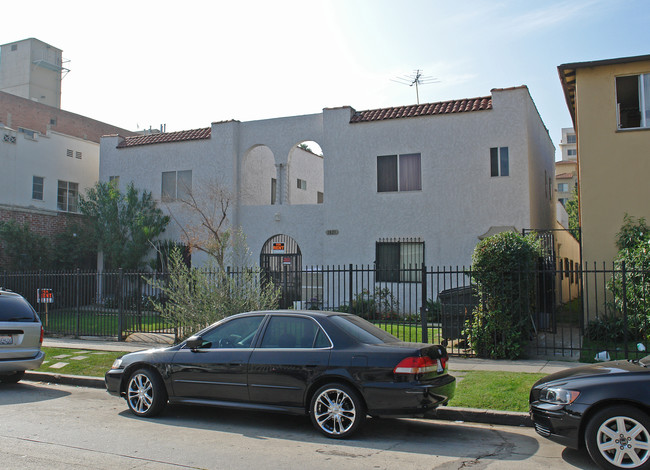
point(426, 109)
point(564, 175)
point(180, 136)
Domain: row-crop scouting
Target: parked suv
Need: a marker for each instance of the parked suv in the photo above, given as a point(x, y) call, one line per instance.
point(21, 337)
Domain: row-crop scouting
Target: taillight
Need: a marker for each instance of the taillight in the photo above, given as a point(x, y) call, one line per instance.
point(443, 362)
point(42, 332)
point(416, 365)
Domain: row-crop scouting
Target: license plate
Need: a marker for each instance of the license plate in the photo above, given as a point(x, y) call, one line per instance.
point(6, 340)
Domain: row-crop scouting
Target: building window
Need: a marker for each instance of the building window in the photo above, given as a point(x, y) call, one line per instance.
point(37, 188)
point(77, 155)
point(319, 197)
point(67, 196)
point(499, 161)
point(274, 189)
point(302, 184)
point(633, 101)
point(69, 153)
point(14, 47)
point(399, 261)
point(572, 152)
point(563, 201)
point(176, 185)
point(52, 121)
point(563, 187)
point(399, 173)
point(571, 139)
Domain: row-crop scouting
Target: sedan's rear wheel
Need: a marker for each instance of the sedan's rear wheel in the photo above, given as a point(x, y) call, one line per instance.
point(619, 437)
point(12, 378)
point(337, 411)
point(145, 393)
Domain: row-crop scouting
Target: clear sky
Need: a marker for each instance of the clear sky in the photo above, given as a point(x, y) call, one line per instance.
point(138, 64)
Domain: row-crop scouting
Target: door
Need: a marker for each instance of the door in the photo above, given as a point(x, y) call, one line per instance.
point(218, 369)
point(281, 262)
point(293, 351)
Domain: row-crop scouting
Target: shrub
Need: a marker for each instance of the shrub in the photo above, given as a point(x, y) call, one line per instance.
point(378, 305)
point(633, 242)
point(504, 268)
point(195, 298)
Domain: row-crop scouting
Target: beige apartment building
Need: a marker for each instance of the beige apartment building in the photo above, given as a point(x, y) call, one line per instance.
point(609, 102)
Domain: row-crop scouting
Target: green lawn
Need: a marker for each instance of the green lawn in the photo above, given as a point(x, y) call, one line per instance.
point(100, 323)
point(94, 364)
point(410, 333)
point(505, 391)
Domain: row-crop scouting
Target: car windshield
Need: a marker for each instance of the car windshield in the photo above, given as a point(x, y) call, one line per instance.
point(362, 330)
point(15, 309)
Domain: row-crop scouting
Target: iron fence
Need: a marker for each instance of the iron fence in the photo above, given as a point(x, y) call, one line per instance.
point(608, 310)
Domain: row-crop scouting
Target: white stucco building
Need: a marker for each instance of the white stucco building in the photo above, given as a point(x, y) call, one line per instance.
point(45, 172)
point(412, 184)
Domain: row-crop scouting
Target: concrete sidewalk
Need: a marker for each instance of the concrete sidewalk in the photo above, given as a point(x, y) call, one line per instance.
point(450, 413)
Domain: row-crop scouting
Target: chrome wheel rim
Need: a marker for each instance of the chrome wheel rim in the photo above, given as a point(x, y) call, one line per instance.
point(334, 411)
point(623, 442)
point(140, 393)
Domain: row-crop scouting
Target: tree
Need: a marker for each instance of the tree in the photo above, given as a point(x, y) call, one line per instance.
point(123, 225)
point(208, 229)
point(194, 298)
point(24, 249)
point(572, 207)
point(504, 268)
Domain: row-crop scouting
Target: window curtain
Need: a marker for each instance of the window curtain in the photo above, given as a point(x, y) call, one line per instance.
point(410, 178)
point(386, 173)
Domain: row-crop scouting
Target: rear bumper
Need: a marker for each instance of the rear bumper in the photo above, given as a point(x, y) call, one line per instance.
point(408, 398)
point(20, 364)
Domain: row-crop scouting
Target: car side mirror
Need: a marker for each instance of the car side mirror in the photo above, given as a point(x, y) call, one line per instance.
point(194, 342)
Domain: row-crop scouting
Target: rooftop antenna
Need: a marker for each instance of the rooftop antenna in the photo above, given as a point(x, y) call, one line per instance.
point(417, 79)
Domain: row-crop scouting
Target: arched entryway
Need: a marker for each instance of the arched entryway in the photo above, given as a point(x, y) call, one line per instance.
point(281, 261)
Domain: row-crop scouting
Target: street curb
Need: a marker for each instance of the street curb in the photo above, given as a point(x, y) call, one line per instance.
point(75, 380)
point(473, 415)
point(446, 413)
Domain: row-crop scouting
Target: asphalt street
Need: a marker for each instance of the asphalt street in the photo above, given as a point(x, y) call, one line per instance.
point(65, 427)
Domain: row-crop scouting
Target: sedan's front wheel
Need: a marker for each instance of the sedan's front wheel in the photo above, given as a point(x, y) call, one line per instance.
point(337, 411)
point(145, 393)
point(619, 437)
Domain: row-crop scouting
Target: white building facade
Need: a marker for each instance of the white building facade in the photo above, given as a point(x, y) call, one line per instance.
point(406, 185)
point(45, 172)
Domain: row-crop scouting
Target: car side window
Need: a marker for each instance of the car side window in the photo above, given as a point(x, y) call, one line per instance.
point(236, 333)
point(294, 333)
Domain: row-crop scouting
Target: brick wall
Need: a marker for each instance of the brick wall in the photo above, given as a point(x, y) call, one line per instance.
point(20, 112)
point(45, 223)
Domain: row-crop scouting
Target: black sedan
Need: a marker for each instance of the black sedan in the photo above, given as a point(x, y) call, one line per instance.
point(605, 407)
point(336, 367)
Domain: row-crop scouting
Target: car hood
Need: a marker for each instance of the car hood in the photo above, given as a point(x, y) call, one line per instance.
point(595, 370)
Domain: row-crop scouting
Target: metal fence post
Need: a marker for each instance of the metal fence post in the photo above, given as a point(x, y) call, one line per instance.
point(423, 308)
point(350, 287)
point(120, 309)
point(77, 300)
point(625, 323)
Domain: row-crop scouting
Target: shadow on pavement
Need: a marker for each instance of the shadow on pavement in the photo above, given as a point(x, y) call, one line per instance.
point(27, 393)
point(430, 437)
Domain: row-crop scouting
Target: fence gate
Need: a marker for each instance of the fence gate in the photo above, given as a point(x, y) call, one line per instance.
point(281, 262)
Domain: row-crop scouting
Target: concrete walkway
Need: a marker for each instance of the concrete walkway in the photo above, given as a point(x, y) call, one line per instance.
point(456, 364)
